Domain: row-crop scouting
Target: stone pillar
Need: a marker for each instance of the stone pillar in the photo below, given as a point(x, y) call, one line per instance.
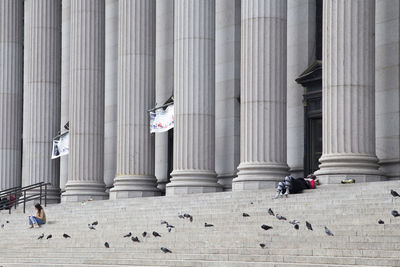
point(263, 95)
point(42, 89)
point(387, 84)
point(136, 77)
point(86, 105)
point(11, 33)
point(110, 114)
point(227, 90)
point(164, 80)
point(300, 55)
point(65, 55)
point(348, 92)
point(194, 89)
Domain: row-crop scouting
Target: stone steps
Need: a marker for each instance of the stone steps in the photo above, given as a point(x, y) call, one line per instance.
point(350, 211)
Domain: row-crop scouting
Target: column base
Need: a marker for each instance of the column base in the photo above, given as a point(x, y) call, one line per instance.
point(53, 195)
point(390, 168)
point(130, 186)
point(254, 176)
point(82, 191)
point(225, 180)
point(337, 167)
point(192, 182)
point(162, 186)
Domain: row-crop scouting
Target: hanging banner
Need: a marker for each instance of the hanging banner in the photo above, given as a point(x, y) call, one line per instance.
point(60, 146)
point(162, 120)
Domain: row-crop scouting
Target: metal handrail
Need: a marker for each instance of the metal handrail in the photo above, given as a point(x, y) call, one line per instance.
point(18, 192)
point(4, 192)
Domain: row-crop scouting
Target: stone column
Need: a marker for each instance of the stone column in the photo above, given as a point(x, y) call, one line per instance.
point(11, 33)
point(136, 77)
point(300, 55)
point(42, 89)
point(263, 95)
point(387, 84)
point(110, 114)
point(194, 88)
point(86, 105)
point(65, 48)
point(348, 92)
point(227, 90)
point(164, 80)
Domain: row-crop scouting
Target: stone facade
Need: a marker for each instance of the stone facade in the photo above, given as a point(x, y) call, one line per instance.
point(230, 66)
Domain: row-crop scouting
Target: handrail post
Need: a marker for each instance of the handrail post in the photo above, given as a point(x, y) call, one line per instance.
point(45, 195)
point(15, 199)
point(40, 194)
point(24, 200)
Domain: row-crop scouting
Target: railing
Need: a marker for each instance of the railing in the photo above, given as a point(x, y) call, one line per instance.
point(17, 195)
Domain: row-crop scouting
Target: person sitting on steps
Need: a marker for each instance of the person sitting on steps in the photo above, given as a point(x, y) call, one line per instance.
point(294, 186)
point(39, 219)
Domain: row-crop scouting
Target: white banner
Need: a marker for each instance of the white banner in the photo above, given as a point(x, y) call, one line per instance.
point(60, 146)
point(162, 120)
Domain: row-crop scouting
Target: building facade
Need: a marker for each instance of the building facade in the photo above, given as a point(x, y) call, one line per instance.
point(261, 88)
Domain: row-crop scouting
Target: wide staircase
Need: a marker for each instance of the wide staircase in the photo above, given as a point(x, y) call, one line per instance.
point(351, 212)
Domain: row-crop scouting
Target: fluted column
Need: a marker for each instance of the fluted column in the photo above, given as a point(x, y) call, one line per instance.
point(11, 33)
point(111, 84)
point(387, 86)
point(65, 58)
point(348, 92)
point(86, 102)
point(263, 95)
point(194, 89)
point(136, 73)
point(164, 81)
point(42, 88)
point(301, 44)
point(227, 91)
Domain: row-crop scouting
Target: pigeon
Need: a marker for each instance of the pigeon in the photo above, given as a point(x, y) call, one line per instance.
point(186, 215)
point(41, 236)
point(394, 193)
point(165, 250)
point(262, 245)
point(296, 226)
point(270, 212)
point(7, 221)
point(279, 217)
point(208, 225)
point(49, 236)
point(91, 227)
point(95, 223)
point(328, 232)
point(135, 239)
point(191, 218)
point(251, 203)
point(2, 225)
point(309, 227)
point(156, 234)
point(246, 215)
point(66, 236)
point(107, 245)
point(128, 235)
point(381, 222)
point(169, 227)
point(395, 213)
point(294, 222)
point(144, 234)
point(164, 222)
point(266, 227)
point(181, 216)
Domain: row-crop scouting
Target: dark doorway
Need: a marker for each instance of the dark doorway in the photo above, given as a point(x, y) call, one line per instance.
point(311, 79)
